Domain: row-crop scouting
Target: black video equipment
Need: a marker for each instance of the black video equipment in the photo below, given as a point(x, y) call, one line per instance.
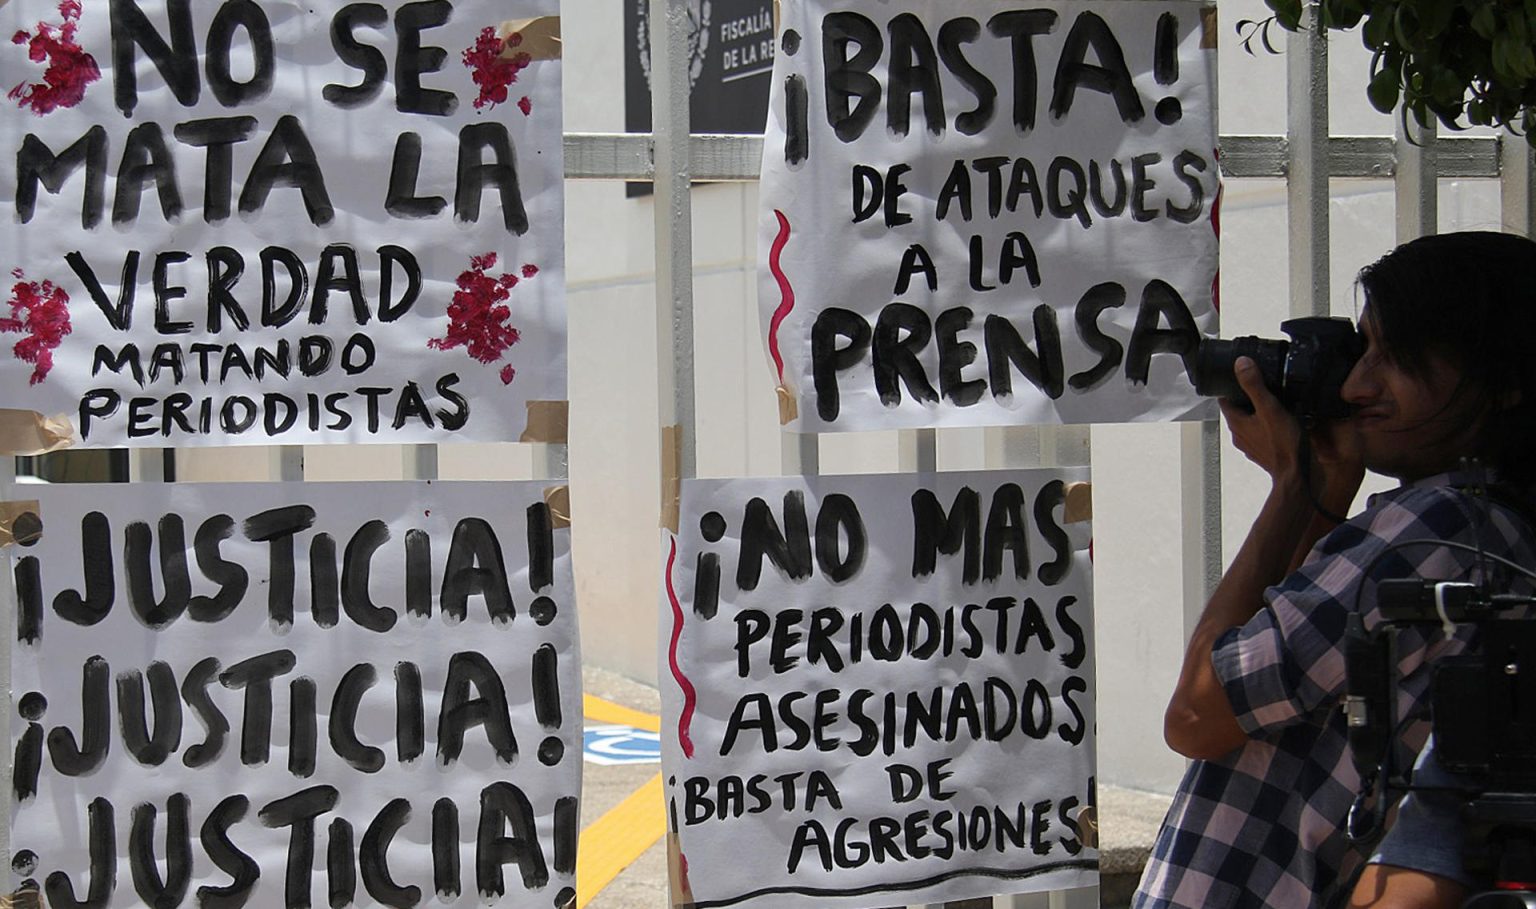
point(1306, 373)
point(1484, 720)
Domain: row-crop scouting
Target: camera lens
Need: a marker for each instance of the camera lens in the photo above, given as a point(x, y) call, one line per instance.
point(1215, 360)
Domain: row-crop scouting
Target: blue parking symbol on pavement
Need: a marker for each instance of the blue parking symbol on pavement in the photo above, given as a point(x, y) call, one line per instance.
point(612, 744)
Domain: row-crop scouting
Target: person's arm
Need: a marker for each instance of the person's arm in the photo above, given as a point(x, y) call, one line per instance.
point(1200, 722)
point(1389, 887)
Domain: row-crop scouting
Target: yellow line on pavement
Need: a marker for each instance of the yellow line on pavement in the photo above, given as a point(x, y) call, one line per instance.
point(619, 837)
point(595, 708)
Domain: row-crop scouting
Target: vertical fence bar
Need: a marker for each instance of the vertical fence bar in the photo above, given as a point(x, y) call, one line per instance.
point(286, 463)
point(552, 461)
point(146, 465)
point(674, 227)
point(918, 450)
point(1517, 188)
point(1200, 464)
point(1306, 56)
point(800, 453)
point(1414, 180)
point(419, 462)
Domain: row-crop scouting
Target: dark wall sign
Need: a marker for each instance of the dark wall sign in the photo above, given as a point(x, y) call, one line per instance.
point(730, 64)
point(730, 51)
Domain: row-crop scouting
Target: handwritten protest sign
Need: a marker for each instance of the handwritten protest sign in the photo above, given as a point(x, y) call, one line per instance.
point(295, 695)
point(878, 690)
point(260, 222)
point(988, 214)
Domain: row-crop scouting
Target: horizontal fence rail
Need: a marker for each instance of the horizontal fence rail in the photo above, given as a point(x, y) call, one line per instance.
point(630, 156)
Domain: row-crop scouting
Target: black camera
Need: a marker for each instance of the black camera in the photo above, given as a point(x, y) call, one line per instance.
point(1306, 373)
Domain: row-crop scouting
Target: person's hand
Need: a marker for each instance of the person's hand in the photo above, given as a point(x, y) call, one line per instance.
point(1269, 435)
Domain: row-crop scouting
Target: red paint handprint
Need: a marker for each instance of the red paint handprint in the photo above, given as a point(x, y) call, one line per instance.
point(478, 316)
point(494, 70)
point(39, 310)
point(70, 69)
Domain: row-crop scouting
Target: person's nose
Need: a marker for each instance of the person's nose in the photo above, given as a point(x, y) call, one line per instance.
point(1360, 386)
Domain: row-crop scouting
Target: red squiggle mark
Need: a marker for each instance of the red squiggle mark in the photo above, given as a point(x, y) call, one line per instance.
point(690, 696)
point(40, 310)
point(70, 69)
point(478, 316)
point(786, 292)
point(493, 70)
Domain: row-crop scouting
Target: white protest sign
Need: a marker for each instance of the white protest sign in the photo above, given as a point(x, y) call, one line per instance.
point(988, 213)
point(878, 690)
point(265, 222)
point(284, 695)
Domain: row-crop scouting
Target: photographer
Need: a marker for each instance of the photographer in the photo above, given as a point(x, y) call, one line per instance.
point(1446, 375)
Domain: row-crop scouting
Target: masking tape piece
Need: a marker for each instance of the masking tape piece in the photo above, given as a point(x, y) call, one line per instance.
point(548, 422)
point(20, 522)
point(778, 17)
point(1208, 27)
point(540, 37)
point(25, 898)
point(1088, 826)
point(677, 874)
point(671, 475)
point(27, 432)
point(1079, 503)
point(789, 408)
point(558, 498)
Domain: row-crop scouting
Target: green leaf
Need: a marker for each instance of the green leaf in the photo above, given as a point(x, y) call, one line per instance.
point(1377, 30)
point(1447, 89)
point(1524, 61)
point(1287, 13)
point(1483, 22)
point(1406, 27)
point(1383, 91)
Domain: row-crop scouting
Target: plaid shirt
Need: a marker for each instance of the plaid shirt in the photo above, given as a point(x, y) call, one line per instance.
point(1263, 826)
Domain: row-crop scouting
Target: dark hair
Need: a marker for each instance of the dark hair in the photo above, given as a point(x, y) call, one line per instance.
point(1470, 298)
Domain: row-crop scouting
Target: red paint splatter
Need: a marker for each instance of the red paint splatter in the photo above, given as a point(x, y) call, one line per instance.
point(530, 270)
point(40, 310)
point(70, 69)
point(478, 316)
point(525, 104)
point(493, 70)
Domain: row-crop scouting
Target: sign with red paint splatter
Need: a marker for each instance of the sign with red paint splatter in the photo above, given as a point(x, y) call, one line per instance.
point(980, 217)
point(269, 223)
point(295, 695)
point(880, 688)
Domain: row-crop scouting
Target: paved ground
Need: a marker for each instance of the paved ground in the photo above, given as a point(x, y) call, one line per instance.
point(642, 885)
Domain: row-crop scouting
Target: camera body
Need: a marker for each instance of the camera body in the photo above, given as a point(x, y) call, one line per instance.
point(1306, 373)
